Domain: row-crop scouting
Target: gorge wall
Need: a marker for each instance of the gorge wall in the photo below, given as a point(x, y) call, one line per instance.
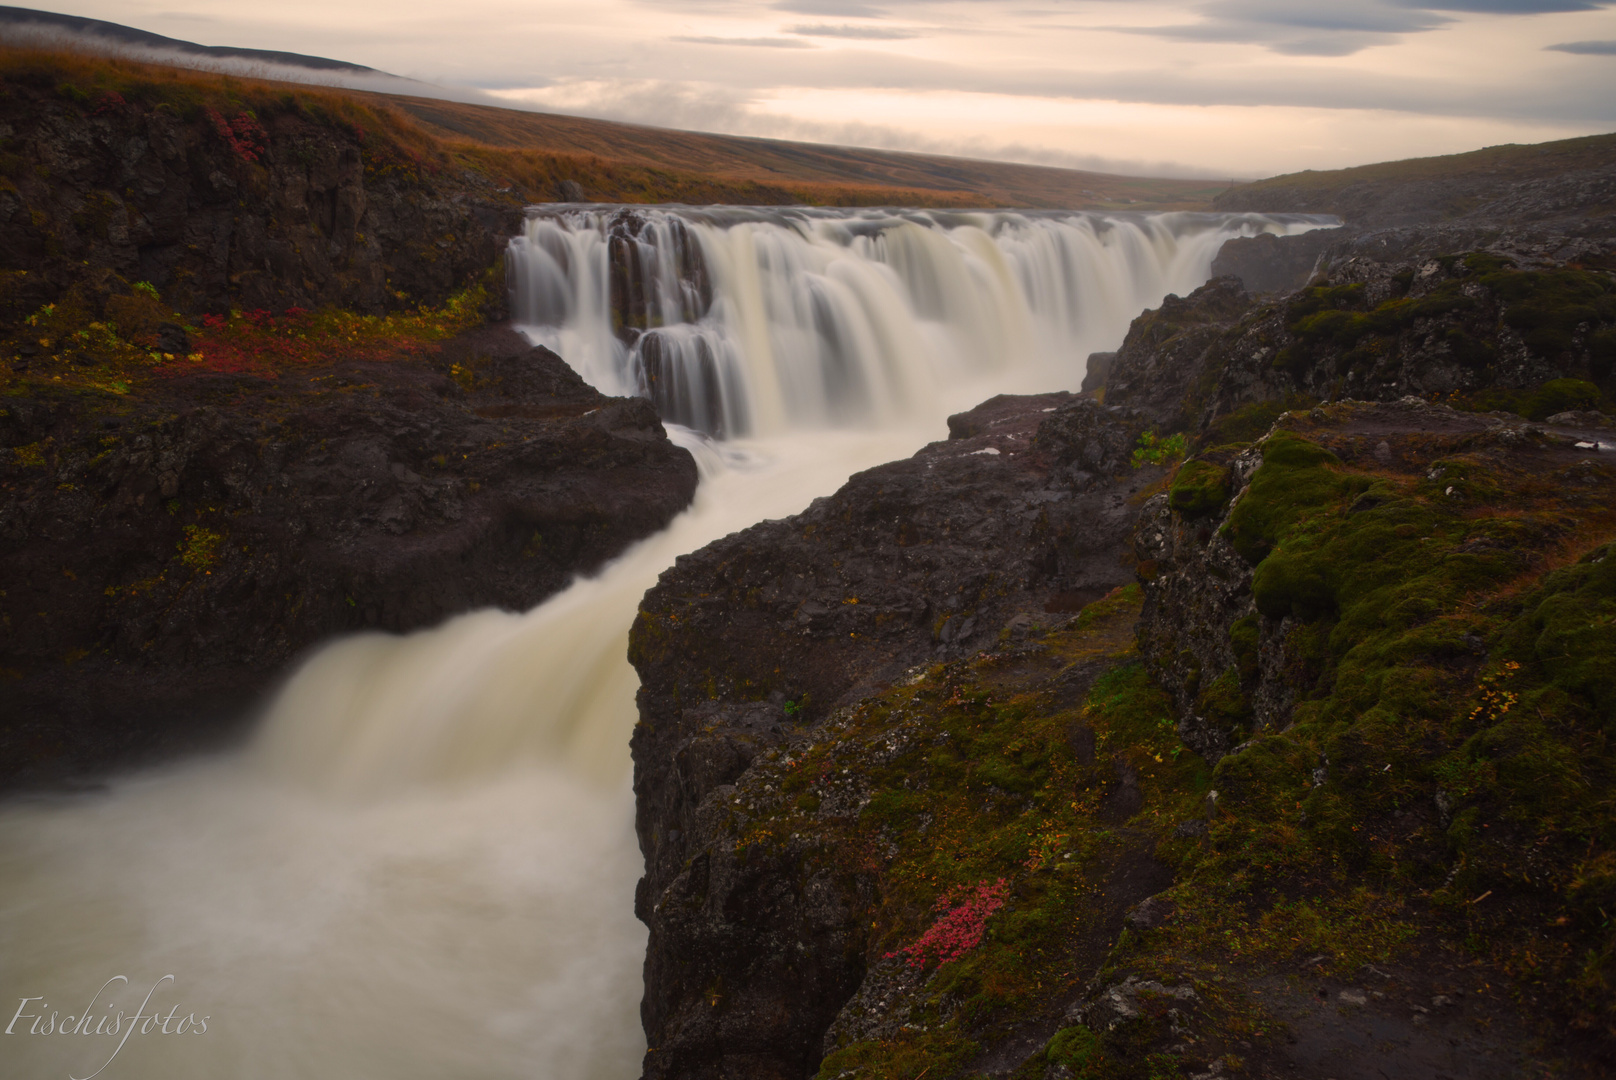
point(903, 811)
point(167, 553)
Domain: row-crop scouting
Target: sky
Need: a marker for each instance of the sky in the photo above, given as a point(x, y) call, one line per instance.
point(1215, 88)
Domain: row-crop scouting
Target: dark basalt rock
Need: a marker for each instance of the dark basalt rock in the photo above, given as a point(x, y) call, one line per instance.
point(749, 642)
point(320, 215)
point(1095, 371)
point(161, 563)
point(1370, 330)
point(1273, 264)
point(632, 254)
point(1169, 350)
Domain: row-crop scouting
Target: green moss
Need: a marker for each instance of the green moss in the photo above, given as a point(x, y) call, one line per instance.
point(978, 779)
point(1558, 395)
point(1296, 478)
point(1200, 488)
point(1452, 737)
point(1299, 584)
point(1074, 1047)
point(1251, 422)
point(1548, 306)
point(1224, 704)
point(1563, 316)
point(1244, 637)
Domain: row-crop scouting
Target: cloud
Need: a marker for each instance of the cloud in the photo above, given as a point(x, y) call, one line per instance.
point(657, 102)
point(702, 107)
point(848, 9)
point(869, 33)
point(1585, 48)
point(1506, 7)
point(752, 42)
point(1334, 28)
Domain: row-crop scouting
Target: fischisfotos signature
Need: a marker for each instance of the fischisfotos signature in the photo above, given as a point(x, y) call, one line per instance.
point(34, 1017)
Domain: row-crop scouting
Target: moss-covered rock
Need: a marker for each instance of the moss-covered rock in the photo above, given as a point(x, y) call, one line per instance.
point(1200, 488)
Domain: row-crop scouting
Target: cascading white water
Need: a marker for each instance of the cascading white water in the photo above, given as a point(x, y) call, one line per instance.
point(424, 864)
point(745, 321)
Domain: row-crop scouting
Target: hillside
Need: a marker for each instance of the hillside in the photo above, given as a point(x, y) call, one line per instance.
point(98, 35)
point(1396, 193)
point(777, 162)
point(612, 162)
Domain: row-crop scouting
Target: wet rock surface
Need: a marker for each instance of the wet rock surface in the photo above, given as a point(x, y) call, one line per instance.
point(1274, 264)
point(165, 556)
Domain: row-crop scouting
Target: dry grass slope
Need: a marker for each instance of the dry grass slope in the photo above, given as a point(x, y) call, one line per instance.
point(614, 162)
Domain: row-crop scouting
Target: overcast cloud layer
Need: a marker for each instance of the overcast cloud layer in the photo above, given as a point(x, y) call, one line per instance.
point(1226, 88)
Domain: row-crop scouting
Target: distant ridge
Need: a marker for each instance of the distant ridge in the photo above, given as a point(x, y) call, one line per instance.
point(117, 34)
point(786, 169)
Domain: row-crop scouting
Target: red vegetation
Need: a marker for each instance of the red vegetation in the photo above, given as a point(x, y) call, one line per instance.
point(244, 135)
point(262, 343)
point(959, 928)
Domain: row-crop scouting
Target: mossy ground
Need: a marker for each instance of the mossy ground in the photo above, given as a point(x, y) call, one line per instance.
point(1444, 784)
point(1440, 798)
point(64, 348)
point(1052, 766)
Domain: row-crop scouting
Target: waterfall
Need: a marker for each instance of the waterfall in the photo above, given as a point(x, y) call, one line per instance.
point(424, 864)
point(738, 321)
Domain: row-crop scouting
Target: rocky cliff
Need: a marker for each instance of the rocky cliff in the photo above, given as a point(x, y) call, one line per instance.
point(165, 553)
point(226, 201)
point(1310, 798)
point(1019, 519)
point(1476, 327)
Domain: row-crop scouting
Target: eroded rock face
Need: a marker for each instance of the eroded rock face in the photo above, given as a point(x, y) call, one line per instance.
point(1171, 351)
point(1368, 330)
point(1274, 264)
point(170, 557)
point(746, 645)
point(318, 215)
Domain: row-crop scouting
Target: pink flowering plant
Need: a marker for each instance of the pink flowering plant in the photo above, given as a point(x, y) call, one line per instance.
point(963, 915)
point(244, 135)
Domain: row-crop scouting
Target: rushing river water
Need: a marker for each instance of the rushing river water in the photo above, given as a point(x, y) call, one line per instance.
point(423, 864)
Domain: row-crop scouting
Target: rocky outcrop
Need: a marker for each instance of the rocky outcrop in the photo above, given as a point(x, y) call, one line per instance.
point(1231, 660)
point(1567, 185)
point(226, 208)
point(1274, 264)
point(1020, 518)
point(864, 727)
point(166, 554)
point(1470, 325)
point(1173, 352)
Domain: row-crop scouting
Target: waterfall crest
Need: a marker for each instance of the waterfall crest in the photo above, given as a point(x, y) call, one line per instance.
point(740, 321)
